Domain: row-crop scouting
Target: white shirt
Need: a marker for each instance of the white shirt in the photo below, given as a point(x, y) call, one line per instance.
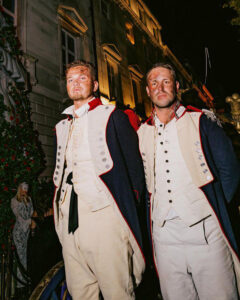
point(77, 112)
point(173, 182)
point(86, 184)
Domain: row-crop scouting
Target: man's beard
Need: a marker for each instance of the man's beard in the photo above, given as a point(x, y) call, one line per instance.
point(82, 97)
point(168, 104)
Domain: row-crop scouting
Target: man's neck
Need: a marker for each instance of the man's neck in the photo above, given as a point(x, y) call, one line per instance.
point(165, 115)
point(79, 103)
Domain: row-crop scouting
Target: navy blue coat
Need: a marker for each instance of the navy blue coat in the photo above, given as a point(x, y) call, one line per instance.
point(126, 180)
point(225, 168)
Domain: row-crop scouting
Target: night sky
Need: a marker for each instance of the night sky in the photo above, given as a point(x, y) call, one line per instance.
point(188, 26)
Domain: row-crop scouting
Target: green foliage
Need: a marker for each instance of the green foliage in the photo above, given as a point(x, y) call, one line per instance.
point(8, 39)
point(21, 155)
point(234, 4)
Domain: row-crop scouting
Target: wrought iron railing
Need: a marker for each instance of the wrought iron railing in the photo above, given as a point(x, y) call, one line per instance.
point(9, 264)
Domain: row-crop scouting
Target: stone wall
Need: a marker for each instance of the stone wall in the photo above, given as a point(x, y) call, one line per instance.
point(39, 34)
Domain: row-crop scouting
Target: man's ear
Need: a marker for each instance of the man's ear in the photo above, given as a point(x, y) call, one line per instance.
point(177, 86)
point(95, 86)
point(147, 89)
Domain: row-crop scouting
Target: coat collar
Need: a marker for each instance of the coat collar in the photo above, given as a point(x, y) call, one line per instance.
point(87, 107)
point(179, 111)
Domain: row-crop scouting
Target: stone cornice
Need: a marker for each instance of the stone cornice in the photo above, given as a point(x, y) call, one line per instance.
point(77, 25)
point(111, 49)
point(136, 71)
point(123, 5)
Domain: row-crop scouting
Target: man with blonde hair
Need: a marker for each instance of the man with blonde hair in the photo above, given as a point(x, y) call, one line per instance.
point(191, 174)
point(99, 181)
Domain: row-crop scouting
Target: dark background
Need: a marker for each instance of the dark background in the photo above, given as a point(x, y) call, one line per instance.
point(188, 26)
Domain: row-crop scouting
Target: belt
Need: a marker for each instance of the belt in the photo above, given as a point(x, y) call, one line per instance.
point(73, 208)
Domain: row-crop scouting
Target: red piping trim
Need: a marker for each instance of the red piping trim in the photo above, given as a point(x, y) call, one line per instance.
point(137, 194)
point(182, 114)
point(94, 103)
point(190, 107)
point(221, 227)
point(149, 121)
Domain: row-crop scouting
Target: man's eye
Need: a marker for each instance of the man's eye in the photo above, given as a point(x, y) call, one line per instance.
point(69, 80)
point(167, 81)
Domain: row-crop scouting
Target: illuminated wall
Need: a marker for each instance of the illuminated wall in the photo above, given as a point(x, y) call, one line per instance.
point(121, 37)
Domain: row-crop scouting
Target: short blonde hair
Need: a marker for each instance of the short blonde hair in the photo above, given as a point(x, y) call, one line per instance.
point(82, 63)
point(163, 65)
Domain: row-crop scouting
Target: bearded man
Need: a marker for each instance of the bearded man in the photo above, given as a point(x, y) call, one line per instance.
point(191, 174)
point(99, 181)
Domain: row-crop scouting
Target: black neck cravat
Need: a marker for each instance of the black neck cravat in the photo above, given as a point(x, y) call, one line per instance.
point(73, 208)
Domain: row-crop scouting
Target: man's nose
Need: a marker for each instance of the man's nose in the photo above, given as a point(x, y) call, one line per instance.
point(75, 82)
point(160, 86)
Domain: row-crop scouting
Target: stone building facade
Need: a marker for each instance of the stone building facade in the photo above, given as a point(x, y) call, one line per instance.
point(121, 37)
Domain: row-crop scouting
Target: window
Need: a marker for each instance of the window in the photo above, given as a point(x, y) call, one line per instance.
point(113, 79)
point(68, 48)
point(145, 47)
point(136, 78)
point(129, 33)
point(105, 8)
point(72, 30)
point(155, 33)
point(71, 20)
point(10, 10)
point(135, 91)
point(112, 82)
point(142, 15)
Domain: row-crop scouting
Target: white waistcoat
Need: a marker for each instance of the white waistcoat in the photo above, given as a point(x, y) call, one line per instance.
point(190, 205)
point(174, 189)
point(78, 157)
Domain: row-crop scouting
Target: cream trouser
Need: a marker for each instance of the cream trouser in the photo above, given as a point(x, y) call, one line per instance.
point(193, 262)
point(97, 257)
